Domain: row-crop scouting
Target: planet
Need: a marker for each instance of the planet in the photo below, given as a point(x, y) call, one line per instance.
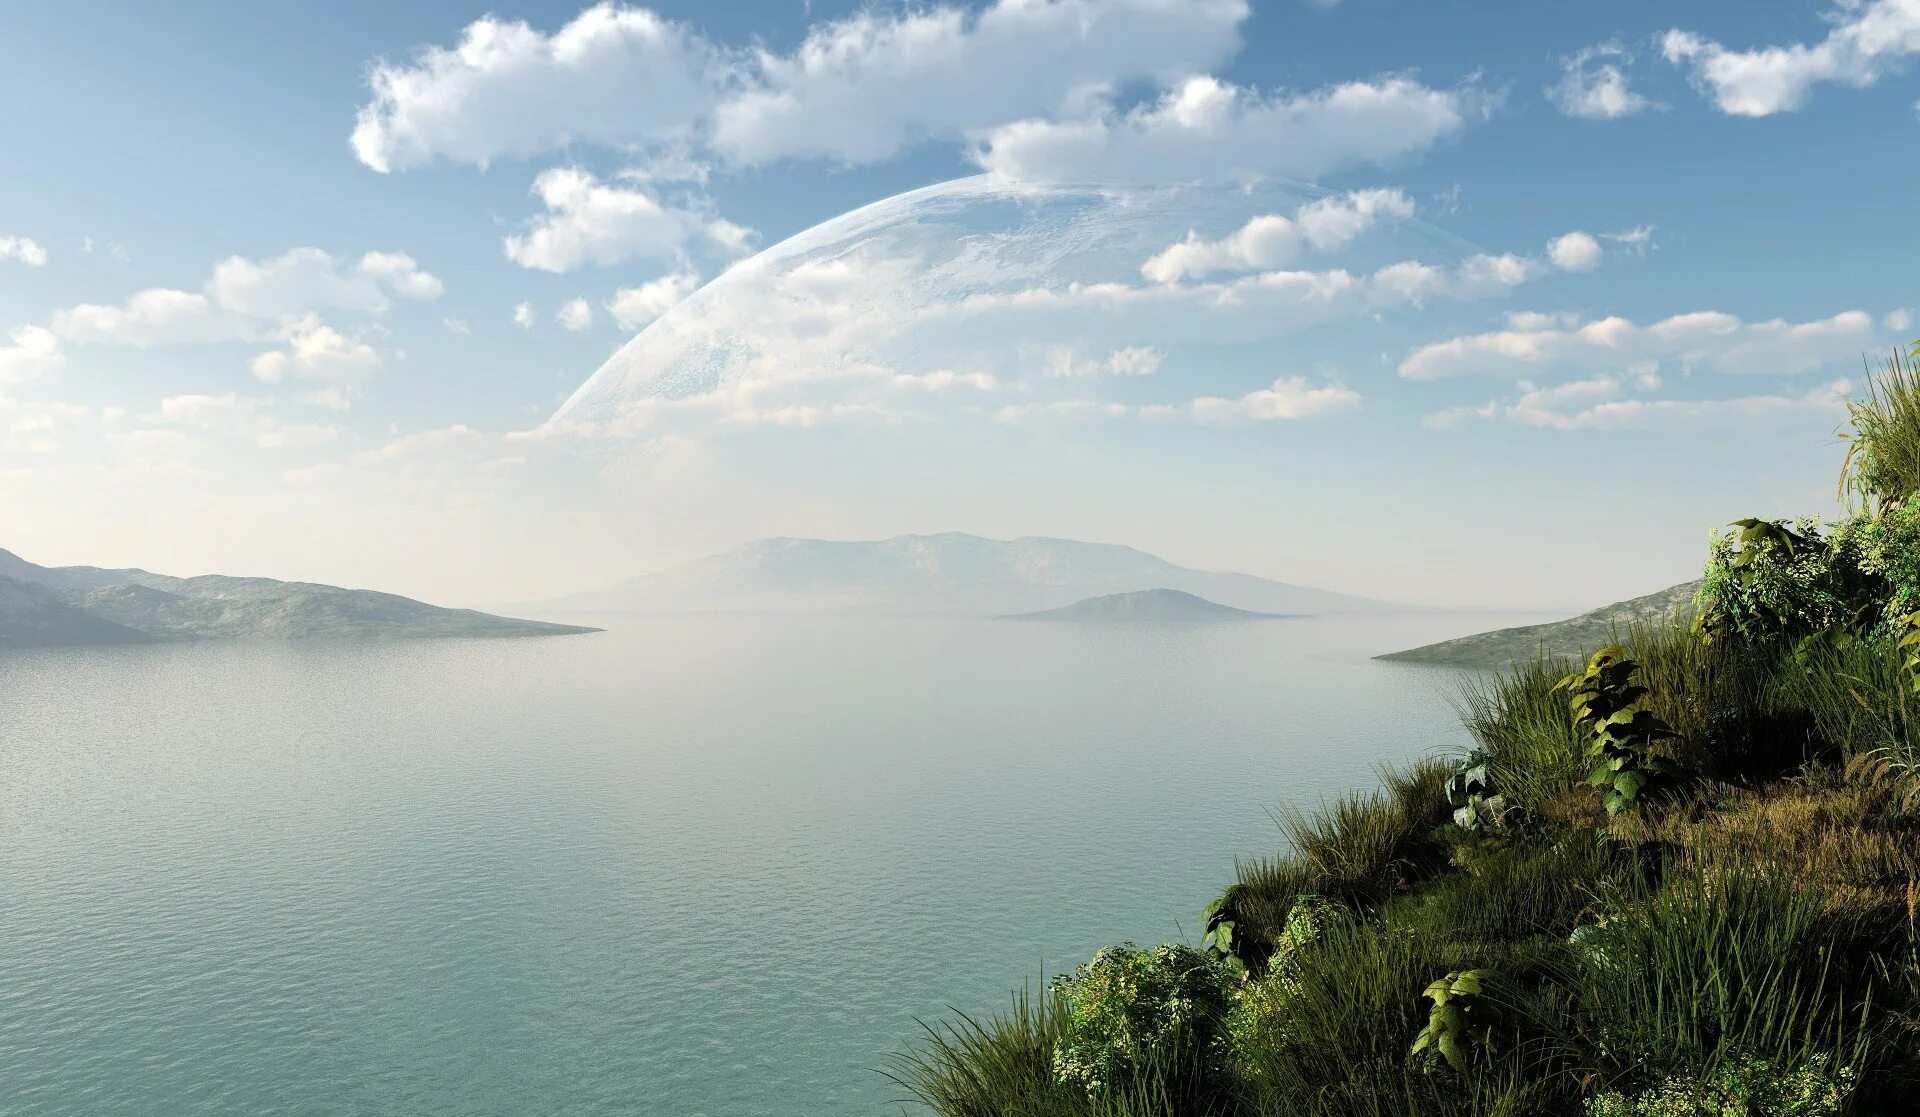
point(1006, 296)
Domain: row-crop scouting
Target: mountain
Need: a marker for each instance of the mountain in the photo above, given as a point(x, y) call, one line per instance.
point(51, 605)
point(1566, 639)
point(1160, 606)
point(949, 573)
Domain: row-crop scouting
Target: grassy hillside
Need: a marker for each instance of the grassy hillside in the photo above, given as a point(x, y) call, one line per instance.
point(1566, 639)
point(1680, 881)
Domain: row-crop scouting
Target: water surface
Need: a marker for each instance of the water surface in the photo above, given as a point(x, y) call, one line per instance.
point(690, 866)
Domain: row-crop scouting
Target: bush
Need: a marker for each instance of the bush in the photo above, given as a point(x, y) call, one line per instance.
point(1744, 1087)
point(1130, 1009)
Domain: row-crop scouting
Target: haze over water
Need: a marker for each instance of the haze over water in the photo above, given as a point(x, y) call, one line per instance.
point(700, 865)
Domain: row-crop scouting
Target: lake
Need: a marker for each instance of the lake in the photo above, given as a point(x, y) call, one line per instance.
point(690, 866)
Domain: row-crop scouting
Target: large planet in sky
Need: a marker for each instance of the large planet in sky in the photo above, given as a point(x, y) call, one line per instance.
point(1011, 295)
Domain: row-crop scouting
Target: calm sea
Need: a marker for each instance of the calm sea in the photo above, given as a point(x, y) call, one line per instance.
point(700, 865)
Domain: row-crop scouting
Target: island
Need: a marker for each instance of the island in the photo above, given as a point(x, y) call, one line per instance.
point(1159, 606)
point(1556, 640)
point(42, 606)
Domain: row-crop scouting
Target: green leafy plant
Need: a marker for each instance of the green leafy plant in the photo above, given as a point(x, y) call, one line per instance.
point(1461, 1019)
point(1470, 789)
point(1221, 920)
point(1605, 700)
point(1130, 1010)
point(1768, 579)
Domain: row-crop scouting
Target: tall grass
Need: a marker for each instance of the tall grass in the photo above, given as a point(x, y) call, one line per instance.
point(1883, 457)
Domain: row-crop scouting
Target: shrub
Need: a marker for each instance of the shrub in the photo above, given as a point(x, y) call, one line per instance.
point(1742, 1087)
point(1131, 1009)
point(1771, 580)
point(1604, 700)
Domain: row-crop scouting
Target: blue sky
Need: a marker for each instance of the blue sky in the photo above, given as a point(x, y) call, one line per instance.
point(331, 381)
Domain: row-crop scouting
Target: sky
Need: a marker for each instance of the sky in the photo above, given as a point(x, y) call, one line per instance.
point(1491, 305)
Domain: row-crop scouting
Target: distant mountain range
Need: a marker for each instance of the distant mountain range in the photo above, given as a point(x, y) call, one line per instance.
point(56, 605)
point(1160, 606)
point(1566, 639)
point(948, 573)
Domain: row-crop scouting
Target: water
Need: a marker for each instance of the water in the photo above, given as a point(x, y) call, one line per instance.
point(689, 866)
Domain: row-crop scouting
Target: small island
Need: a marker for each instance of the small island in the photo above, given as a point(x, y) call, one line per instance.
point(1158, 606)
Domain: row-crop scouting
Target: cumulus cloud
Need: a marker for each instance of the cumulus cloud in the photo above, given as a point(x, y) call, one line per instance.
point(863, 88)
point(523, 315)
point(613, 76)
point(855, 90)
point(23, 249)
point(1134, 360)
point(1576, 251)
point(592, 222)
point(316, 351)
point(576, 315)
point(1271, 240)
point(229, 414)
point(156, 316)
point(1868, 41)
point(1290, 397)
point(1206, 128)
point(304, 280)
point(1593, 84)
point(634, 307)
point(1602, 403)
point(1706, 339)
point(34, 352)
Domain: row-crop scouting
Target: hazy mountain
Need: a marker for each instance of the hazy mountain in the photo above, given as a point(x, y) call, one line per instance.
point(950, 573)
point(1566, 639)
point(1161, 606)
point(88, 605)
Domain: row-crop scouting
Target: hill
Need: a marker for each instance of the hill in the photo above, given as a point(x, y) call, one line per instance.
point(69, 605)
point(947, 573)
point(1566, 639)
point(1159, 606)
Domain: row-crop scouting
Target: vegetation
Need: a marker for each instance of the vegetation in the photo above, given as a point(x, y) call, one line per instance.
point(1682, 880)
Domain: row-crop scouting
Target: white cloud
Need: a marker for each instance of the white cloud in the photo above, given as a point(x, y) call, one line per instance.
point(523, 315)
point(942, 379)
point(34, 353)
point(231, 415)
point(1576, 251)
point(576, 315)
point(456, 326)
point(24, 250)
point(1868, 41)
point(863, 88)
point(1208, 129)
point(1290, 397)
point(589, 221)
point(1706, 339)
point(856, 89)
point(1593, 84)
point(1271, 240)
point(634, 307)
point(305, 280)
point(1061, 362)
point(156, 316)
point(613, 76)
point(316, 351)
point(1601, 403)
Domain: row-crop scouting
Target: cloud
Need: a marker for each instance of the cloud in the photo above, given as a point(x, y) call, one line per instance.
point(589, 221)
point(613, 76)
point(576, 315)
point(316, 351)
point(305, 280)
point(1593, 85)
point(1209, 129)
point(1576, 251)
point(1600, 403)
point(156, 316)
point(1705, 339)
point(856, 90)
point(35, 352)
point(1062, 363)
point(864, 88)
point(229, 414)
point(1290, 397)
point(1868, 41)
point(24, 250)
point(523, 315)
point(634, 307)
point(1271, 240)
